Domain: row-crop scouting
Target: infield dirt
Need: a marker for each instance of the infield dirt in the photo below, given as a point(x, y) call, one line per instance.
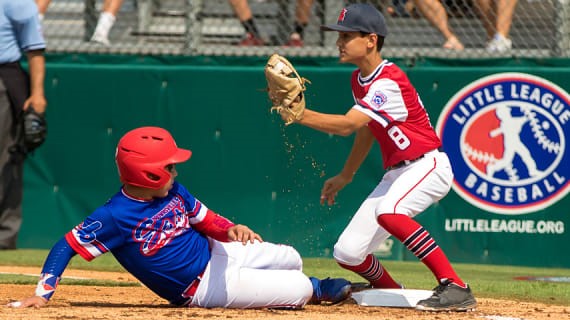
point(73, 302)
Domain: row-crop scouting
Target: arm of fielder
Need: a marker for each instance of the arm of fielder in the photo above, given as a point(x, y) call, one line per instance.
point(360, 149)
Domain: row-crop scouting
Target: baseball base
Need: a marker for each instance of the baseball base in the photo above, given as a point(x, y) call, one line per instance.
point(402, 298)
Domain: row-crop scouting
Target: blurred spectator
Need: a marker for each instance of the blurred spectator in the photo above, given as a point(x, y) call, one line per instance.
point(302, 16)
point(497, 18)
point(435, 13)
point(20, 31)
point(106, 21)
point(42, 8)
point(252, 36)
point(104, 24)
point(401, 8)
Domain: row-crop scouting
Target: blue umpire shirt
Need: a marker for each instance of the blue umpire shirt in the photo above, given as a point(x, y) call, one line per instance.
point(20, 29)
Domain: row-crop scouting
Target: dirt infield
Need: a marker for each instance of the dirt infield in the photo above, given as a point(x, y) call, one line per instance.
point(133, 303)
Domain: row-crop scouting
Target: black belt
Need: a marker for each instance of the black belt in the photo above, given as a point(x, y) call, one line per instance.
point(407, 162)
point(9, 64)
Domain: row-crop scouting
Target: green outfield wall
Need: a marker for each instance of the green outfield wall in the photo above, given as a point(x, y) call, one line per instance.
point(507, 206)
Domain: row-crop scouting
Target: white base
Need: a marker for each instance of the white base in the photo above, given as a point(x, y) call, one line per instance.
point(404, 298)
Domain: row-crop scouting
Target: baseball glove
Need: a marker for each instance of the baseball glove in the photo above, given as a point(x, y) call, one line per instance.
point(285, 88)
point(35, 129)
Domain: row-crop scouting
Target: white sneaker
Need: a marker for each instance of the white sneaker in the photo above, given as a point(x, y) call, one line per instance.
point(101, 39)
point(499, 44)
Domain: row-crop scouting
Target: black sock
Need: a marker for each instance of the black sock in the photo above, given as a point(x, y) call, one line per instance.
point(300, 28)
point(250, 27)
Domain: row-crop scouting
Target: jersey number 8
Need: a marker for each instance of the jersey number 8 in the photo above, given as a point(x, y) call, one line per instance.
point(399, 138)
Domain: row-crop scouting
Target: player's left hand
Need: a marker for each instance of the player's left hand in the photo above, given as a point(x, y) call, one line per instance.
point(243, 234)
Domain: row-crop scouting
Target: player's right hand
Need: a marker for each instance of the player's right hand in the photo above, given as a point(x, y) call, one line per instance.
point(34, 301)
point(331, 188)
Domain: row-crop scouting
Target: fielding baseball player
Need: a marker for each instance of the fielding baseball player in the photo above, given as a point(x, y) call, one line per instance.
point(176, 246)
point(387, 108)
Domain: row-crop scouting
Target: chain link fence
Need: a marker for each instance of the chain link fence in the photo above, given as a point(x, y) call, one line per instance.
point(540, 28)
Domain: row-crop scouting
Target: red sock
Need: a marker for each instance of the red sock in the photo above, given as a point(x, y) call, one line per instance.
point(421, 244)
point(372, 270)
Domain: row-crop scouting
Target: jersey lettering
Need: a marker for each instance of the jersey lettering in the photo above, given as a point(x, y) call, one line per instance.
point(399, 138)
point(153, 237)
point(87, 232)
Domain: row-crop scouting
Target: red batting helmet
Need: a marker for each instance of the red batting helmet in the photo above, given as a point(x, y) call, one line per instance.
point(142, 155)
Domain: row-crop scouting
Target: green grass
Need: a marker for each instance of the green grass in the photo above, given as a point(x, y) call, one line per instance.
point(29, 257)
point(486, 280)
point(21, 279)
point(36, 258)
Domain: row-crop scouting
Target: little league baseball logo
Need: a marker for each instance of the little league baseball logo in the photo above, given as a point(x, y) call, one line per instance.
point(506, 138)
point(378, 100)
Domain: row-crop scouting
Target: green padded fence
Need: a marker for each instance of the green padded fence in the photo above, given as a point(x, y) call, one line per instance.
point(246, 165)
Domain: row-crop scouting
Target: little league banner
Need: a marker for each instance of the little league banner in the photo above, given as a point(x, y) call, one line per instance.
point(506, 135)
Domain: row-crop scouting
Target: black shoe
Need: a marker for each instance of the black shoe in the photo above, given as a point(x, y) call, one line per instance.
point(360, 286)
point(449, 296)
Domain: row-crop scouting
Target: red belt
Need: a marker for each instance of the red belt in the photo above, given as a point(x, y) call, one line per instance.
point(191, 290)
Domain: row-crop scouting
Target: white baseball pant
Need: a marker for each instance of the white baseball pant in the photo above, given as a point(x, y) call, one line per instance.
point(258, 275)
point(406, 190)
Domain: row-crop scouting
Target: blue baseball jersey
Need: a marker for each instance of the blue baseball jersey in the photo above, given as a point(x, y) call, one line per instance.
point(20, 29)
point(153, 240)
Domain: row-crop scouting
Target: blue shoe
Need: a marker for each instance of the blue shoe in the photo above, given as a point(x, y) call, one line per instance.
point(330, 290)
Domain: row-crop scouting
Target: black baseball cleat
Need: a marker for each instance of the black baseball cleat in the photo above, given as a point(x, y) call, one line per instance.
point(360, 286)
point(449, 296)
